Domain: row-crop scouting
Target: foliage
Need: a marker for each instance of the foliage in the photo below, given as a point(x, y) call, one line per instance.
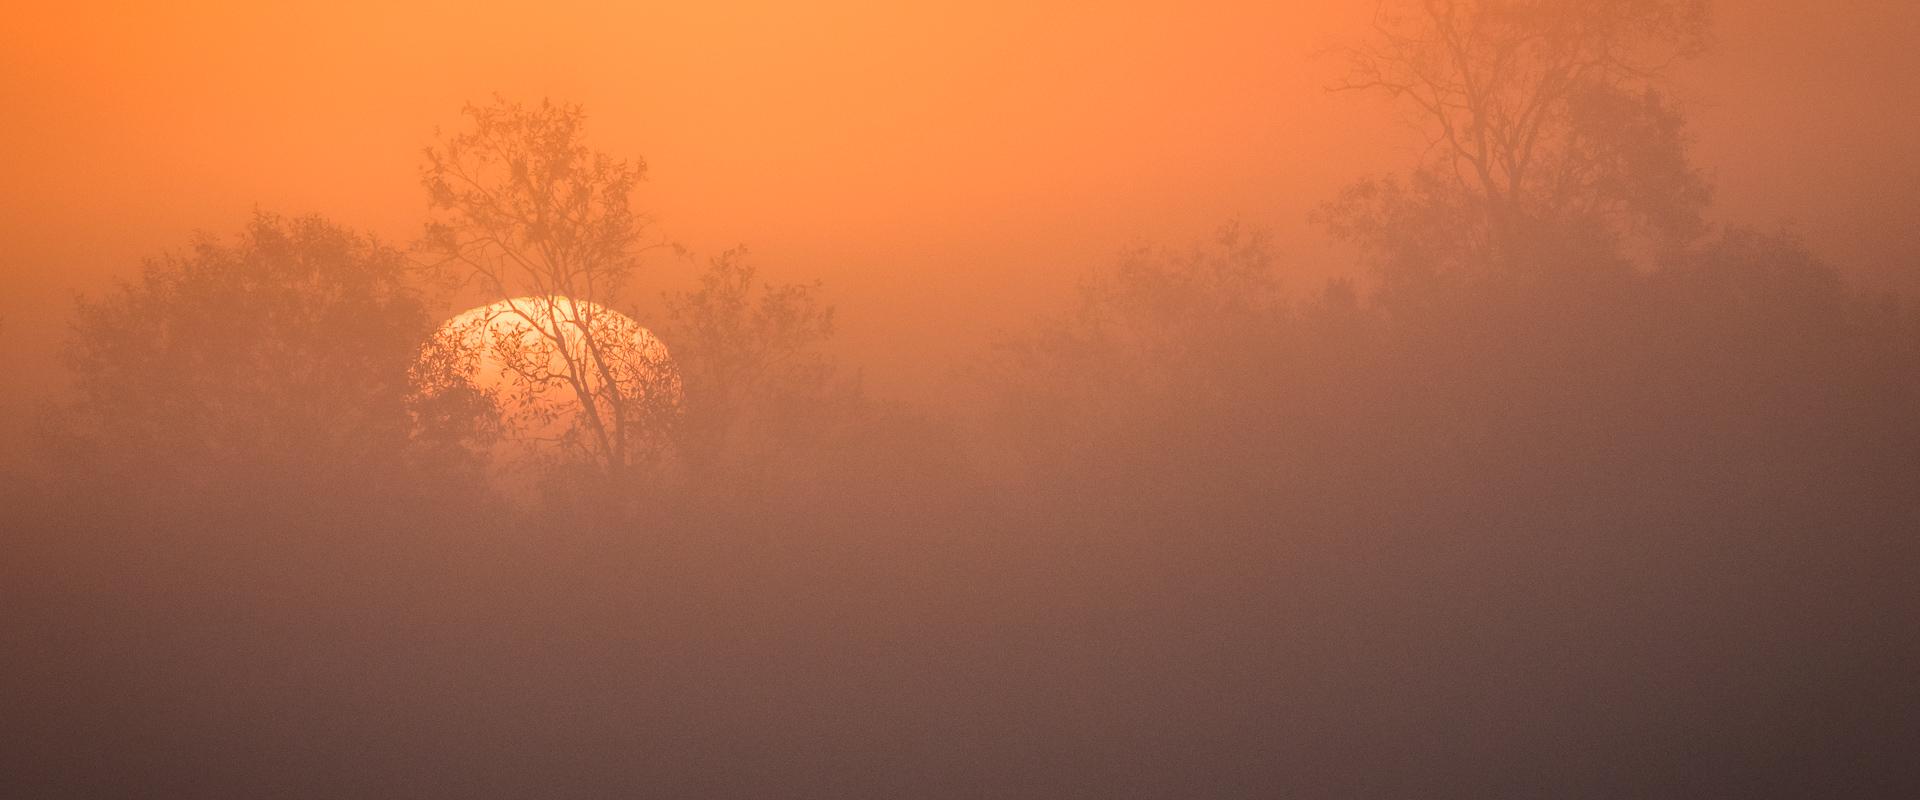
point(759, 385)
point(1551, 137)
point(524, 208)
point(284, 353)
point(1162, 336)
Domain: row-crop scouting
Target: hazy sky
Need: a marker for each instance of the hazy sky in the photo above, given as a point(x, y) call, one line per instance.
point(946, 168)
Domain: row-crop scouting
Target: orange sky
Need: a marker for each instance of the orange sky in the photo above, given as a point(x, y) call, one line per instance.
point(945, 167)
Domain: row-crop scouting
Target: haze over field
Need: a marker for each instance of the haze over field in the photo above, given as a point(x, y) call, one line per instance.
point(1408, 398)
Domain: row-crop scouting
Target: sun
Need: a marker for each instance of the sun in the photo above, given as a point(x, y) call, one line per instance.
point(570, 379)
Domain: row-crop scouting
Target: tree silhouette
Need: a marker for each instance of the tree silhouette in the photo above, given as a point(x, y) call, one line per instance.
point(283, 354)
point(523, 208)
point(1163, 338)
point(1549, 129)
point(756, 379)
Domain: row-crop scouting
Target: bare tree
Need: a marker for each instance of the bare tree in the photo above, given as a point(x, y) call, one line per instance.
point(1543, 120)
point(525, 210)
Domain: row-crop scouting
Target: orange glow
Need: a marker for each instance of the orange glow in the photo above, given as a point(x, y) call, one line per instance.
point(963, 160)
point(527, 353)
point(972, 398)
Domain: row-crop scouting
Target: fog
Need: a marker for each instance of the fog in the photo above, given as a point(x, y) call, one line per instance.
point(1431, 399)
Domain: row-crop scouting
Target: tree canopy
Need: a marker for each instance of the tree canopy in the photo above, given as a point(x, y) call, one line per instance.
point(1552, 137)
point(284, 352)
point(524, 208)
